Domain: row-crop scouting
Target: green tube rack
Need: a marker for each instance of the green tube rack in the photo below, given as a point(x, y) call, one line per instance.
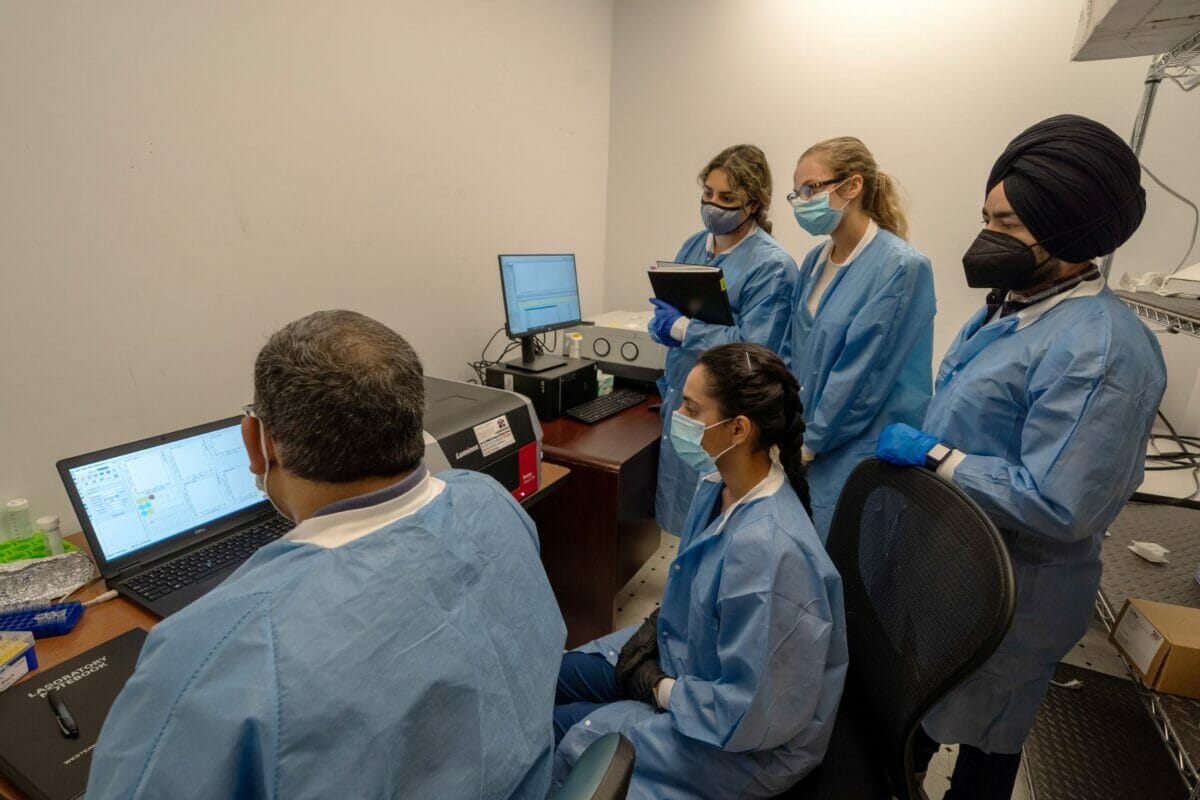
point(30, 547)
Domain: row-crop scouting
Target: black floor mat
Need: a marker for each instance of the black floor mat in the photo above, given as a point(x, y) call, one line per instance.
point(1098, 743)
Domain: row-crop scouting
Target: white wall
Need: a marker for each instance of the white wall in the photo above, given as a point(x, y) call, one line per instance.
point(936, 88)
point(177, 180)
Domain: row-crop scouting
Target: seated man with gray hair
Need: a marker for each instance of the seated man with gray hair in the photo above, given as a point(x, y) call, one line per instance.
point(401, 641)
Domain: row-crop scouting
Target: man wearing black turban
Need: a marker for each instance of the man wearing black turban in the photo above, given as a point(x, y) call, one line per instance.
point(1041, 414)
point(1075, 185)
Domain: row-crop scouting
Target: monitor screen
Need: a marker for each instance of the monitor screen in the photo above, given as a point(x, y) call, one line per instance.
point(540, 293)
point(140, 498)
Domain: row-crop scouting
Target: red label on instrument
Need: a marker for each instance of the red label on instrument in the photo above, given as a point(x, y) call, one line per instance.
point(527, 464)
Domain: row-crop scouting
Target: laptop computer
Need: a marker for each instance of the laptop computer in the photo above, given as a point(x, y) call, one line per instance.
point(170, 517)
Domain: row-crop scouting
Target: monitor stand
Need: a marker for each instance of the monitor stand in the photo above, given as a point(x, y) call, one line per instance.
point(533, 363)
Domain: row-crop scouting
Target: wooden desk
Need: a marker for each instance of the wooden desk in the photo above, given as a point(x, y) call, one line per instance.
point(599, 529)
point(97, 625)
point(114, 617)
point(110, 619)
point(551, 481)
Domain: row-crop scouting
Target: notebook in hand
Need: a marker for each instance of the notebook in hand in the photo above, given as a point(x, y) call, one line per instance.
point(34, 753)
point(696, 290)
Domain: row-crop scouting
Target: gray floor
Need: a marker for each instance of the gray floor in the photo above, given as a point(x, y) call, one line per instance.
point(638, 598)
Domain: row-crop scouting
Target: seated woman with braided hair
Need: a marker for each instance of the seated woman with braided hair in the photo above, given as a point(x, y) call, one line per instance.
point(730, 691)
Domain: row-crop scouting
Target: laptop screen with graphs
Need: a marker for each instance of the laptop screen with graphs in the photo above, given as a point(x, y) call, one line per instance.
point(142, 497)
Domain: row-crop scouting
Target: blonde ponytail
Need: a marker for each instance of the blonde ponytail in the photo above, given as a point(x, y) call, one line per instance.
point(886, 207)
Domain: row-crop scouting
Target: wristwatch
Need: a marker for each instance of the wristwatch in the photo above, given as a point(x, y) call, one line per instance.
point(936, 455)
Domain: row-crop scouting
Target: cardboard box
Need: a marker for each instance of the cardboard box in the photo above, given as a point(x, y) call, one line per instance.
point(1162, 642)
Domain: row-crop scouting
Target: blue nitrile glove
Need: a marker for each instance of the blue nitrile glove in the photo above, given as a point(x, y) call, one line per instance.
point(665, 315)
point(904, 445)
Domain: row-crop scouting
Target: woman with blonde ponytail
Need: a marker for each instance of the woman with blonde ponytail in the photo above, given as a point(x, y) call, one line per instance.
point(862, 322)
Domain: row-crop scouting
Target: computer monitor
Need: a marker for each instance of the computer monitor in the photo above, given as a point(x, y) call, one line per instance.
point(541, 294)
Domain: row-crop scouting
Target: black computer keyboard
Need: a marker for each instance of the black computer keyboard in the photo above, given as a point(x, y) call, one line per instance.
point(201, 563)
point(601, 407)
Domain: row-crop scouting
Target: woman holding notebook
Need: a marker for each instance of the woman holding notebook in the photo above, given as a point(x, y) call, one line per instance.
point(761, 280)
point(862, 322)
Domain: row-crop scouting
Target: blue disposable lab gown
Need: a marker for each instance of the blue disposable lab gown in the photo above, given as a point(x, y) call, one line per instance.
point(864, 362)
point(1054, 412)
point(752, 629)
point(418, 660)
point(760, 278)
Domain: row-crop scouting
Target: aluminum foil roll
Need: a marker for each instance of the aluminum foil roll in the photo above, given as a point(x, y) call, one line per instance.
point(41, 581)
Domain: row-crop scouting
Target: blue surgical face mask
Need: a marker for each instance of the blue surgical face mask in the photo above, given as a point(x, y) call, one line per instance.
point(686, 434)
point(719, 220)
point(816, 215)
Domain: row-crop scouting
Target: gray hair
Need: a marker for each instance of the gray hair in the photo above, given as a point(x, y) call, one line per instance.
point(343, 397)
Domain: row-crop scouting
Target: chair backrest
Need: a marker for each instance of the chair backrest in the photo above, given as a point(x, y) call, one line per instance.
point(929, 594)
point(602, 772)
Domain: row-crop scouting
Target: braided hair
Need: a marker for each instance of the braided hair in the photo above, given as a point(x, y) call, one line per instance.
point(752, 381)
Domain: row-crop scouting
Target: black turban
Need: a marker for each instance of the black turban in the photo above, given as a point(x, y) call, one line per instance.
point(1075, 184)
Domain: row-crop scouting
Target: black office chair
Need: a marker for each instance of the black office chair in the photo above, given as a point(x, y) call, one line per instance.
point(602, 772)
point(929, 595)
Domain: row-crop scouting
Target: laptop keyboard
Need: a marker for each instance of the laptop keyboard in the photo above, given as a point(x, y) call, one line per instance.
point(199, 564)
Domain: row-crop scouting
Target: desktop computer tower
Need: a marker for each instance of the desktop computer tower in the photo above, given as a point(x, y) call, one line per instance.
point(551, 391)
